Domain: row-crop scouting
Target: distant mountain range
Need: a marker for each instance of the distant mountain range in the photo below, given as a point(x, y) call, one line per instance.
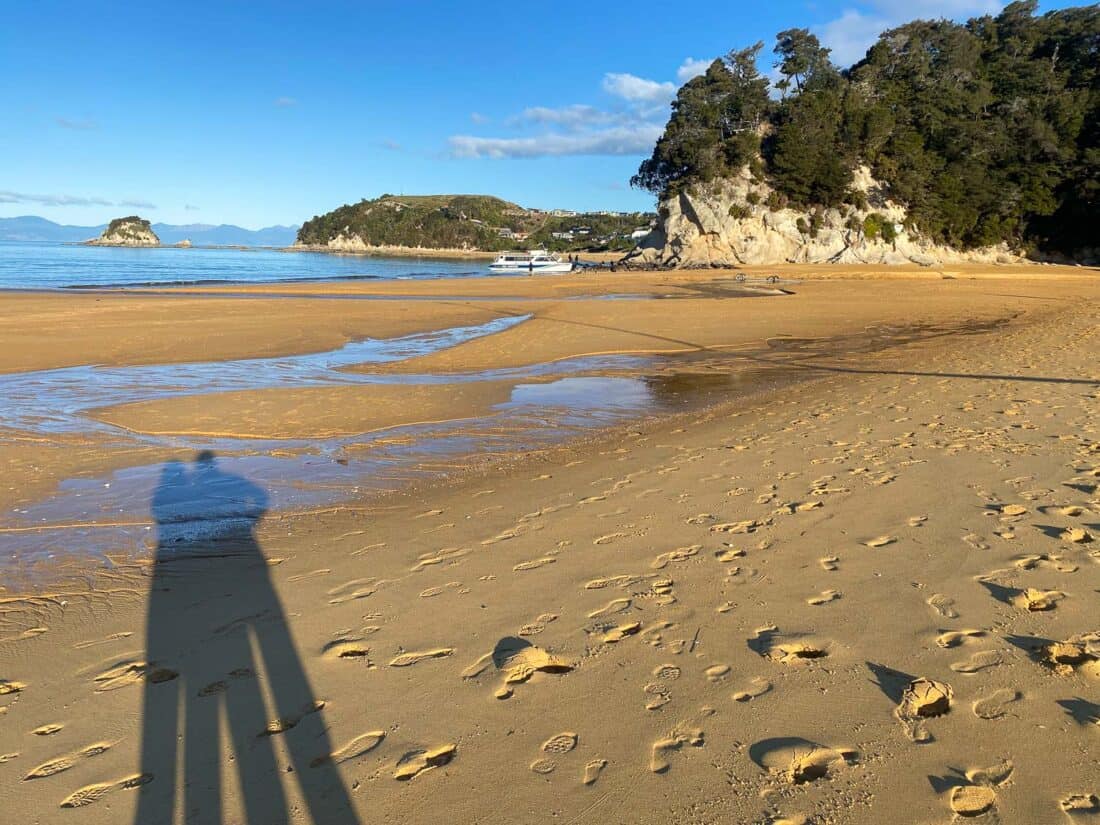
point(33, 228)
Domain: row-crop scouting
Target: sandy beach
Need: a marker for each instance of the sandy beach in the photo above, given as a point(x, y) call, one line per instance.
point(840, 564)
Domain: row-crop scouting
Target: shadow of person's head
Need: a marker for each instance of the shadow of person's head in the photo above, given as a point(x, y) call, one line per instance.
point(202, 502)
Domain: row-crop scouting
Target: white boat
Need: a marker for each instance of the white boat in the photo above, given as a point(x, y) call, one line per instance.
point(537, 260)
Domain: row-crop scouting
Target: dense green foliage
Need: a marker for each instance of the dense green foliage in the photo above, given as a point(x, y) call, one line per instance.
point(465, 222)
point(989, 131)
point(130, 226)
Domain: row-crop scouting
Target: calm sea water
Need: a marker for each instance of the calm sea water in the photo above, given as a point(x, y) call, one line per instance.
point(58, 266)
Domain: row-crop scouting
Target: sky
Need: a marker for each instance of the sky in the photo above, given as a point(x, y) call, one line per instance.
point(262, 113)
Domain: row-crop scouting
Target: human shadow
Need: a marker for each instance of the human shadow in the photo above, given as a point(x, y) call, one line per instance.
point(231, 695)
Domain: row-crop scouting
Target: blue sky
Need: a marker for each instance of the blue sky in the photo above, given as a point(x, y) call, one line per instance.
point(262, 113)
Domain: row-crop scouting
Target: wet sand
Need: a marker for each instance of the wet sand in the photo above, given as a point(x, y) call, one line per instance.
point(835, 600)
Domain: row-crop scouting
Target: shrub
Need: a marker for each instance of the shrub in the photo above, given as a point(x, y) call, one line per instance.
point(738, 211)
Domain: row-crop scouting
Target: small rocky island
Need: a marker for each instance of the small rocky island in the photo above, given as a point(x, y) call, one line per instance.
point(131, 231)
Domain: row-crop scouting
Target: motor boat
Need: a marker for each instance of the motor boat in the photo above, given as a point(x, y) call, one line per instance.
point(537, 260)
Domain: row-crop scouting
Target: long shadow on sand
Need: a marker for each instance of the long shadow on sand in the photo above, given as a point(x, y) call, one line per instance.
point(225, 691)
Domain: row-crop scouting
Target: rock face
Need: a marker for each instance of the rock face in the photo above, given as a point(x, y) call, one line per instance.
point(131, 231)
point(739, 220)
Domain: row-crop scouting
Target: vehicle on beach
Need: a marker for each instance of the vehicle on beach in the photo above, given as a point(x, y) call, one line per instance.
point(537, 260)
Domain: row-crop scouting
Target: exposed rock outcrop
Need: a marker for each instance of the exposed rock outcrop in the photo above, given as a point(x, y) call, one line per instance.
point(130, 231)
point(741, 220)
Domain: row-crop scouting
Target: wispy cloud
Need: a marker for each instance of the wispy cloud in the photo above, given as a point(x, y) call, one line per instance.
point(190, 207)
point(637, 89)
point(392, 145)
point(850, 35)
point(692, 68)
point(634, 140)
point(68, 200)
point(286, 102)
point(478, 118)
point(576, 116)
point(81, 124)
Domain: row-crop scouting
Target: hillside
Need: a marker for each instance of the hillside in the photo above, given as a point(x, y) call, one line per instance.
point(946, 139)
point(467, 222)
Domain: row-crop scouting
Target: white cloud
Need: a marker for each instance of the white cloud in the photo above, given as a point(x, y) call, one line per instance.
point(692, 68)
point(478, 117)
point(850, 35)
point(68, 200)
point(623, 140)
point(637, 89)
point(574, 117)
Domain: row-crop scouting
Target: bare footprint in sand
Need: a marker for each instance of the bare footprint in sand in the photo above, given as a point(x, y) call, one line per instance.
point(824, 597)
point(996, 704)
point(880, 541)
point(663, 748)
point(786, 648)
point(612, 607)
point(757, 687)
point(829, 563)
point(955, 638)
point(417, 762)
point(978, 662)
point(923, 699)
point(943, 605)
point(361, 744)
point(617, 634)
point(415, 657)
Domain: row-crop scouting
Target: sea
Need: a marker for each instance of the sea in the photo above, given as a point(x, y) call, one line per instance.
point(44, 265)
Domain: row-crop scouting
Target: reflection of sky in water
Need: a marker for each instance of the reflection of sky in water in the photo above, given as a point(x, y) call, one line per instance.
point(111, 514)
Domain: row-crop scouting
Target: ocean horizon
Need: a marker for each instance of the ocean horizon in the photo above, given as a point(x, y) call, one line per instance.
point(59, 265)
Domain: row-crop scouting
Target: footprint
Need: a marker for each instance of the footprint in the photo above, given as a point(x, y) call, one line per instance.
point(363, 743)
point(1035, 600)
point(538, 625)
point(799, 761)
point(943, 605)
point(417, 762)
point(47, 730)
point(342, 649)
point(659, 695)
point(93, 793)
point(285, 723)
point(543, 765)
point(1081, 652)
point(717, 673)
point(613, 606)
point(662, 749)
point(534, 564)
point(972, 800)
point(63, 763)
point(680, 554)
point(994, 775)
point(825, 597)
point(757, 687)
point(669, 673)
point(592, 770)
point(560, 744)
point(954, 638)
point(1081, 807)
point(617, 634)
point(1077, 535)
point(729, 554)
point(414, 657)
point(978, 662)
point(996, 704)
point(352, 590)
point(880, 541)
point(829, 563)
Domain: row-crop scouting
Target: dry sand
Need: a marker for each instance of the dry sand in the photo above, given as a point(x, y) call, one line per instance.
point(833, 602)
